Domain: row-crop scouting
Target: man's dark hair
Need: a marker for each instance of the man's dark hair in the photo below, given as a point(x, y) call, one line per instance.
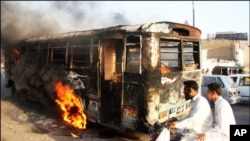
point(215, 87)
point(191, 84)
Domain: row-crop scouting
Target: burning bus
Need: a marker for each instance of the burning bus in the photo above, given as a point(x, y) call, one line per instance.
point(124, 77)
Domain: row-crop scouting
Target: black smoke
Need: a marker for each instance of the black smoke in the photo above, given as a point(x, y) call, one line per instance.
point(19, 20)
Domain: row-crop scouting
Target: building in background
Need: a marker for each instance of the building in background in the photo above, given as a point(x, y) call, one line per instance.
point(225, 49)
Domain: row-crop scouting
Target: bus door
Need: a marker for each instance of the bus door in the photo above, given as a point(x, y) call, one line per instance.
point(112, 81)
point(132, 91)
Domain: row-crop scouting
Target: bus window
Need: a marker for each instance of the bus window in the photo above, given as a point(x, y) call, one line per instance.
point(58, 51)
point(133, 59)
point(190, 55)
point(59, 55)
point(81, 56)
point(170, 55)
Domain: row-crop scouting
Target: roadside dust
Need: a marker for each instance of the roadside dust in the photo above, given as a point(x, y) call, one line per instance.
point(24, 120)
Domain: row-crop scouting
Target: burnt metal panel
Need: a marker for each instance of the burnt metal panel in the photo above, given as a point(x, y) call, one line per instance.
point(174, 29)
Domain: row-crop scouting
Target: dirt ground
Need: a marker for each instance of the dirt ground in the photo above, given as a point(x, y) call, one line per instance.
point(22, 123)
point(16, 125)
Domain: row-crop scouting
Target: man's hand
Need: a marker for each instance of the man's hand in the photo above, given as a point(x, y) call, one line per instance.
point(170, 125)
point(173, 119)
point(202, 137)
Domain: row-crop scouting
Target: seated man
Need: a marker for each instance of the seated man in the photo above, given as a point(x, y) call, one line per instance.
point(200, 116)
point(223, 116)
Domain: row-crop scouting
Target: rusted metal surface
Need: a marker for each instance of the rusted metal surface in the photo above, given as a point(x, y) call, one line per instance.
point(164, 27)
point(193, 32)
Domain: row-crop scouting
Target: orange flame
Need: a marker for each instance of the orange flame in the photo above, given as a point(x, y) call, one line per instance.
point(165, 70)
point(71, 106)
point(17, 55)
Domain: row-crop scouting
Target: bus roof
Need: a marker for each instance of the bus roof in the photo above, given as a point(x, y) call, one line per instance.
point(175, 29)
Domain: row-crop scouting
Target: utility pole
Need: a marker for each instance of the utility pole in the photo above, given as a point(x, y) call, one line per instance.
point(193, 15)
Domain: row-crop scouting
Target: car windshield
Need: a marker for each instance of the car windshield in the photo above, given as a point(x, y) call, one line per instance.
point(231, 82)
point(234, 78)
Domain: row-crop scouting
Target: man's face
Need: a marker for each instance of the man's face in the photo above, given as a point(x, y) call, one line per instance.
point(210, 94)
point(187, 93)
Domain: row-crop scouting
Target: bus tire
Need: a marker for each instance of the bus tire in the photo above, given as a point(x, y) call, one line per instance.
point(13, 87)
point(8, 84)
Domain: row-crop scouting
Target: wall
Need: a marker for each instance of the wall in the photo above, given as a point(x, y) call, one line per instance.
point(227, 52)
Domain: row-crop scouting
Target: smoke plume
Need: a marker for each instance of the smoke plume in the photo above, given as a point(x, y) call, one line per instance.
point(22, 20)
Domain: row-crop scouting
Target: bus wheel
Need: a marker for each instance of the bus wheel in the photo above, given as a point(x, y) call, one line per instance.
point(8, 84)
point(13, 88)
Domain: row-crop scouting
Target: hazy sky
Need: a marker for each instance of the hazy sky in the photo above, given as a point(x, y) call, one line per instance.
point(24, 18)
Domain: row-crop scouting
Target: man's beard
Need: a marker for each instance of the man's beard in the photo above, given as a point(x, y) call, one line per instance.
point(187, 97)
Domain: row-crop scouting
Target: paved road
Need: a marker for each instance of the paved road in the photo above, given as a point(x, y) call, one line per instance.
point(242, 113)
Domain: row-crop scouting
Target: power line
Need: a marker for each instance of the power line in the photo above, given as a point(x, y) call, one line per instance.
point(193, 15)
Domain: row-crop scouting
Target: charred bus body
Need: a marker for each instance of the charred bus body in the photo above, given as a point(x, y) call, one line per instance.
point(128, 77)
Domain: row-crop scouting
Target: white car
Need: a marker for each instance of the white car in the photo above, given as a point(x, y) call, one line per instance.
point(229, 88)
point(243, 82)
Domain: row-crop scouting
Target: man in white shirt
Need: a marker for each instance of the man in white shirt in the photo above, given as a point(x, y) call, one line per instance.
point(200, 116)
point(223, 116)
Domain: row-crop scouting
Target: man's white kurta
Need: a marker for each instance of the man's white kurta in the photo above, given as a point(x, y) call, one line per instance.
point(199, 119)
point(224, 117)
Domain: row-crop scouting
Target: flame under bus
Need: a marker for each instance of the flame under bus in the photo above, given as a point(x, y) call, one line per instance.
point(128, 76)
